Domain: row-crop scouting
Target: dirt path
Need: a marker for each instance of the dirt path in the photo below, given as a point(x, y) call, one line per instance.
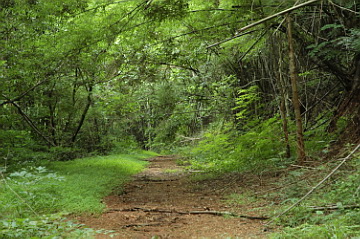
point(161, 202)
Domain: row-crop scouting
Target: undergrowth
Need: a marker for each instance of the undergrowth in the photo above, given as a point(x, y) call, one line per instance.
point(34, 200)
point(227, 150)
point(255, 145)
point(45, 226)
point(258, 147)
point(331, 212)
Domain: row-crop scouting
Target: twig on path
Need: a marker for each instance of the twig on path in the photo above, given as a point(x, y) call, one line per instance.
point(315, 187)
point(153, 224)
point(146, 179)
point(306, 167)
point(215, 213)
point(161, 158)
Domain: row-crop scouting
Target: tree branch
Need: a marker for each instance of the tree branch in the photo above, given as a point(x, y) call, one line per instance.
point(215, 213)
point(277, 14)
point(264, 20)
point(10, 101)
point(30, 123)
point(231, 38)
point(343, 8)
point(84, 114)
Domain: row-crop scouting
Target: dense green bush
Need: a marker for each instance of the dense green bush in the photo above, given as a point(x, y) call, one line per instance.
point(259, 149)
point(124, 144)
point(18, 146)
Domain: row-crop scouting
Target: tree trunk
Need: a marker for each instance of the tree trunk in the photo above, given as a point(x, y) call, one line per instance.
point(295, 99)
point(283, 114)
point(281, 86)
point(83, 116)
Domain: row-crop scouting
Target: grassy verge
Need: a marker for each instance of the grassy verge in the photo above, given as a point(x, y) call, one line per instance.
point(34, 200)
point(330, 212)
point(89, 180)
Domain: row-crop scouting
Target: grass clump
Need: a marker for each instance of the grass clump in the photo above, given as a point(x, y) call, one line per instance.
point(31, 194)
point(339, 228)
point(88, 180)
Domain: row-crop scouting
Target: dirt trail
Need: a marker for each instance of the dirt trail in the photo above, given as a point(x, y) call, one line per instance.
point(156, 202)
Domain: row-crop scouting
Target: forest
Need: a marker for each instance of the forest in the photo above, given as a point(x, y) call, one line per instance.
point(263, 90)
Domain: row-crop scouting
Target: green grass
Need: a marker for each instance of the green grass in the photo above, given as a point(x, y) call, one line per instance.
point(61, 188)
point(88, 180)
point(304, 223)
point(240, 199)
point(338, 228)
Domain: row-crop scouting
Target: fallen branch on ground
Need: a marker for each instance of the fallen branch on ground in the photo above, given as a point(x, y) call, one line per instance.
point(332, 207)
point(215, 213)
point(145, 179)
point(159, 159)
point(154, 224)
point(299, 166)
point(317, 186)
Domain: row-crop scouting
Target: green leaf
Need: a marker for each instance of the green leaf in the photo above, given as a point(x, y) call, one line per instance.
point(331, 26)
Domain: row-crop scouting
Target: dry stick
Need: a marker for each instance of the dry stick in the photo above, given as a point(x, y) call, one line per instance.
point(277, 14)
point(153, 224)
point(264, 20)
point(320, 99)
point(315, 187)
point(332, 207)
point(215, 213)
point(343, 8)
point(157, 180)
point(254, 44)
point(231, 38)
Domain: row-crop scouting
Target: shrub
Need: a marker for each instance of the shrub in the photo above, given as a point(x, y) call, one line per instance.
point(259, 149)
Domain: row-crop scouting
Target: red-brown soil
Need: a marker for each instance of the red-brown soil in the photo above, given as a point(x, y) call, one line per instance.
point(163, 202)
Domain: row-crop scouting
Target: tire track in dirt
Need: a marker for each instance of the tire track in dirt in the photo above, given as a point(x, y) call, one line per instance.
point(155, 203)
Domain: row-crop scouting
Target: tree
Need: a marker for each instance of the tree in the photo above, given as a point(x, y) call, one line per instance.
point(295, 99)
point(83, 72)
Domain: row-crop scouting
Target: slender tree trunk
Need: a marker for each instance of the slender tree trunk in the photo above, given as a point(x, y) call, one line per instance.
point(283, 112)
point(281, 86)
point(52, 108)
point(83, 116)
point(52, 122)
point(295, 99)
point(285, 127)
